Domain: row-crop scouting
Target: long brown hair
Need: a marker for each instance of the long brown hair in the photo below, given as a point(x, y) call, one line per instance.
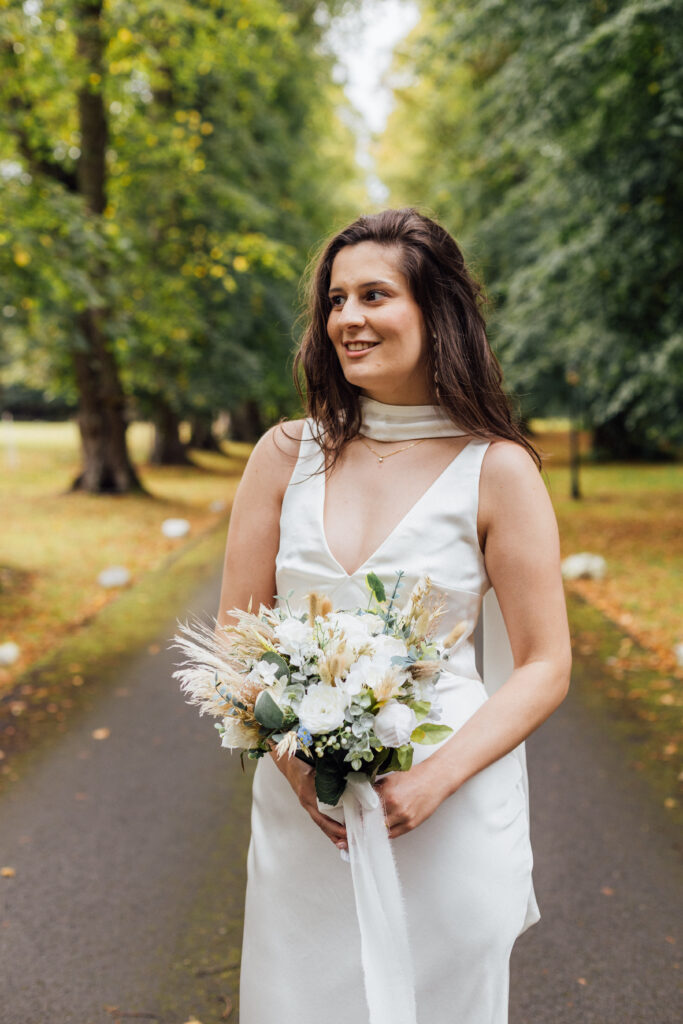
point(467, 378)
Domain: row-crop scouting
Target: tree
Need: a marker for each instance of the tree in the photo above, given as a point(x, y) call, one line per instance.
point(548, 138)
point(159, 239)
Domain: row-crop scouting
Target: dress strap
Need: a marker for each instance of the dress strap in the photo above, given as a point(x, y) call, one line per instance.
point(309, 459)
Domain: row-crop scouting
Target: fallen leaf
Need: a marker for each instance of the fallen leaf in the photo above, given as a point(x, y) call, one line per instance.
point(7, 872)
point(100, 734)
point(671, 939)
point(582, 981)
point(228, 1007)
point(607, 891)
point(153, 649)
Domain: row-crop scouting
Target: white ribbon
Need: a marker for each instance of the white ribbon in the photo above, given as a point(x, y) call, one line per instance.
point(387, 963)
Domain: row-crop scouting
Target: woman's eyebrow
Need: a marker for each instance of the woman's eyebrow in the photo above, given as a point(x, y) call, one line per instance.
point(366, 284)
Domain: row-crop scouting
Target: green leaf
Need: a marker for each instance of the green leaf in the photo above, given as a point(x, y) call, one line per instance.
point(330, 781)
point(421, 708)
point(401, 760)
point(376, 586)
point(268, 712)
point(276, 659)
point(405, 757)
point(430, 733)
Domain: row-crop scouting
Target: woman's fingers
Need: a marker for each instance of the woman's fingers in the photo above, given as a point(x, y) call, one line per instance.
point(334, 830)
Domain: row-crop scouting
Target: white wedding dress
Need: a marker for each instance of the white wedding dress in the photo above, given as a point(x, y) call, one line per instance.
point(466, 872)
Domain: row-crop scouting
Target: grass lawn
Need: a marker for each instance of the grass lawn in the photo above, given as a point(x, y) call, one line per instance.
point(53, 543)
point(630, 514)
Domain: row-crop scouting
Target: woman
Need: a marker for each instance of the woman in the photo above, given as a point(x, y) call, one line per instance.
point(408, 459)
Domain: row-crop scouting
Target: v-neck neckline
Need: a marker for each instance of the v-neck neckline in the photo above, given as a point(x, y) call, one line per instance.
point(394, 530)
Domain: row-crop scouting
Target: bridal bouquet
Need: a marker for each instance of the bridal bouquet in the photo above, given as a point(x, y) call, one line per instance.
point(347, 691)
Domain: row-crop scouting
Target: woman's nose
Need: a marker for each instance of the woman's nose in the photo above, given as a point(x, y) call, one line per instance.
point(351, 313)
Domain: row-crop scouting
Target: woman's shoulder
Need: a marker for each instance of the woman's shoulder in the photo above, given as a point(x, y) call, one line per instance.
point(275, 453)
point(507, 459)
point(509, 481)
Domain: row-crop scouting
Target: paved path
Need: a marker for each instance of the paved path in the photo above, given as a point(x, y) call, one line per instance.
point(609, 881)
point(129, 857)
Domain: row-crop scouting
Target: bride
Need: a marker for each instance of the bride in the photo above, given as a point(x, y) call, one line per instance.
point(408, 459)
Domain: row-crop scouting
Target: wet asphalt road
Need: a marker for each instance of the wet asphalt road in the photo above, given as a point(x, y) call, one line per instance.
point(129, 859)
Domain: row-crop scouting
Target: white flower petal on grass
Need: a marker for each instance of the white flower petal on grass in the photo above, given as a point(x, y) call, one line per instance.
point(114, 576)
point(394, 724)
point(9, 653)
point(174, 528)
point(584, 566)
point(322, 709)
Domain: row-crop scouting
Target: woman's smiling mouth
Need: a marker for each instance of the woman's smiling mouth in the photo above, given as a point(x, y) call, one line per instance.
point(359, 346)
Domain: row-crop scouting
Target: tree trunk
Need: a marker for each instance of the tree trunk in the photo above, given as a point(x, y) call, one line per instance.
point(202, 436)
point(612, 440)
point(101, 417)
point(246, 423)
point(168, 449)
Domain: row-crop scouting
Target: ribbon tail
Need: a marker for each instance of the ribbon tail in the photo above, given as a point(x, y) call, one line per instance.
point(387, 963)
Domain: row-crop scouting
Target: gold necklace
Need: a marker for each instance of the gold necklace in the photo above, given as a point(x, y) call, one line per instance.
point(381, 458)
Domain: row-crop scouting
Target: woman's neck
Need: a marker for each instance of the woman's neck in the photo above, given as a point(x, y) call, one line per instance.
point(382, 421)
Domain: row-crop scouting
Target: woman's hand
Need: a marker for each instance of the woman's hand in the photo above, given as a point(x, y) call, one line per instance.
point(409, 798)
point(301, 778)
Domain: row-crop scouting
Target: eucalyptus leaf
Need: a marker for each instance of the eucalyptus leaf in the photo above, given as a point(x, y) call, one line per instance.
point(268, 712)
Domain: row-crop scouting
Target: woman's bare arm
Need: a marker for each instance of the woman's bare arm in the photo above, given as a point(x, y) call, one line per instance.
point(249, 570)
point(522, 552)
point(254, 529)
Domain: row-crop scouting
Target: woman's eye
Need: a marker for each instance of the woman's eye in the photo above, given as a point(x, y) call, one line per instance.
point(374, 292)
point(336, 300)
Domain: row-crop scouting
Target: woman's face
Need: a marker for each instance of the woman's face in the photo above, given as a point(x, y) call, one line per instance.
point(376, 326)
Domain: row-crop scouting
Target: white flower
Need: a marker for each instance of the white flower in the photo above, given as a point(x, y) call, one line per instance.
point(394, 724)
point(295, 639)
point(357, 675)
point(237, 734)
point(264, 672)
point(387, 647)
point(358, 629)
point(322, 709)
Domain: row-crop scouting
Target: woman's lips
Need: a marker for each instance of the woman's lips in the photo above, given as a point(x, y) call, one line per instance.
point(367, 346)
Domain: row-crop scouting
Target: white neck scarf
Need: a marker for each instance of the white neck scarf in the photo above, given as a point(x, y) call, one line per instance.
point(383, 422)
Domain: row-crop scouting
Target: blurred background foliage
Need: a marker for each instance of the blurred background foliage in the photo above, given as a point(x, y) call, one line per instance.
point(168, 169)
point(547, 137)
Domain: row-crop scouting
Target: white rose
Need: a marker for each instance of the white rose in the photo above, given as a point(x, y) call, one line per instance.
point(322, 709)
point(295, 639)
point(394, 724)
point(237, 734)
point(387, 647)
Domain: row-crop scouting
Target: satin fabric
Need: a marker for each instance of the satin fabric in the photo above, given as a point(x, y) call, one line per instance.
point(465, 873)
